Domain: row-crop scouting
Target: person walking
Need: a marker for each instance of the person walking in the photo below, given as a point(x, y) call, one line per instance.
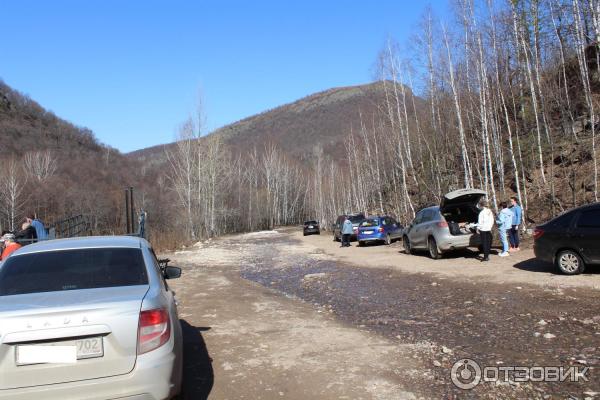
point(346, 232)
point(10, 245)
point(38, 225)
point(517, 212)
point(485, 223)
point(504, 221)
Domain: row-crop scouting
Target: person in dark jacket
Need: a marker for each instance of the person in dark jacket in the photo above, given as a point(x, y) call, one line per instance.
point(26, 235)
point(517, 211)
point(39, 227)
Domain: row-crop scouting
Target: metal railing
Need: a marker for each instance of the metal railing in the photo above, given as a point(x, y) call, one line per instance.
point(78, 225)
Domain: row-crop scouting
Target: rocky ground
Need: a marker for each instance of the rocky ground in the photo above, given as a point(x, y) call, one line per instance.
point(287, 316)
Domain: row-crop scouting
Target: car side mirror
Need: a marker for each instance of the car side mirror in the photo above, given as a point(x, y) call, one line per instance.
point(172, 272)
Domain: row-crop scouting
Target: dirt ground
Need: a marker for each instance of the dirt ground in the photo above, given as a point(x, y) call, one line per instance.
point(277, 315)
point(520, 267)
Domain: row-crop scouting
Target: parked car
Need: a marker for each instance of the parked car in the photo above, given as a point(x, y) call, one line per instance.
point(443, 228)
point(106, 303)
point(356, 219)
point(379, 229)
point(570, 241)
point(311, 227)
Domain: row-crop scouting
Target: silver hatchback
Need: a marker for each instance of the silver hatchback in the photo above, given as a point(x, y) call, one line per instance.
point(88, 318)
point(442, 228)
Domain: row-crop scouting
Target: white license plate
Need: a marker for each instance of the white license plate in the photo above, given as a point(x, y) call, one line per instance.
point(367, 232)
point(60, 352)
point(90, 348)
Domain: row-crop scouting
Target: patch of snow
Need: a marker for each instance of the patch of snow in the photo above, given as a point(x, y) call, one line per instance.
point(260, 234)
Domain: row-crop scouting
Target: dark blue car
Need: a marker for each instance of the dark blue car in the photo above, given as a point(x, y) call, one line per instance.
point(379, 229)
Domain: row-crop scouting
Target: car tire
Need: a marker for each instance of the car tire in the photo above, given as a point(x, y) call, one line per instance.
point(361, 243)
point(388, 239)
point(304, 233)
point(569, 262)
point(434, 252)
point(407, 247)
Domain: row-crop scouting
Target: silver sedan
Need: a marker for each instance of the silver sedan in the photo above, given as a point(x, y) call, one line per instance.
point(88, 318)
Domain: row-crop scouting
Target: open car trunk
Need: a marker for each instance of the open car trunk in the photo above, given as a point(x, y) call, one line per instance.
point(460, 208)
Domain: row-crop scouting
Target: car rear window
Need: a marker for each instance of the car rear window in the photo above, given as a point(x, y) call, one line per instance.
point(54, 271)
point(563, 221)
point(589, 219)
point(370, 222)
point(356, 218)
point(310, 223)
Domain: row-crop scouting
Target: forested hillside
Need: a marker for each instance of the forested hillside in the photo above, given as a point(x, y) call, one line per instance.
point(506, 99)
point(56, 169)
point(320, 120)
point(507, 102)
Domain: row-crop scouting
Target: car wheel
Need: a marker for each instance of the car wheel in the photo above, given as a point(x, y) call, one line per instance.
point(569, 262)
point(304, 233)
point(361, 243)
point(388, 240)
point(434, 252)
point(407, 248)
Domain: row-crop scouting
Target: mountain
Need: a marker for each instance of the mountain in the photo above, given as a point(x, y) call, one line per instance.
point(26, 126)
point(59, 169)
point(323, 119)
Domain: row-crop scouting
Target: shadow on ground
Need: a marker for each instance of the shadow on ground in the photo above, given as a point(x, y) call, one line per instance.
point(536, 265)
point(454, 254)
point(198, 375)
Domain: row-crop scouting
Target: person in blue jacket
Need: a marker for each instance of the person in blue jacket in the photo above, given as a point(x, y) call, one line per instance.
point(503, 221)
point(347, 231)
point(39, 227)
point(514, 230)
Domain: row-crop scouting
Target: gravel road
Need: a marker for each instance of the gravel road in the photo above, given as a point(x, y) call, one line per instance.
point(298, 317)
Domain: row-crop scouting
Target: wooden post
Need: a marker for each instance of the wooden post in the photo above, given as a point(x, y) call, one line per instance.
point(127, 212)
point(131, 210)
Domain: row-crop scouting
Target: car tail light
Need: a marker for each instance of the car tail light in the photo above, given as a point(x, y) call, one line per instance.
point(442, 224)
point(380, 229)
point(154, 330)
point(537, 233)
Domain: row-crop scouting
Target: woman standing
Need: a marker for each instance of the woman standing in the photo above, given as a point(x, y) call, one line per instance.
point(504, 222)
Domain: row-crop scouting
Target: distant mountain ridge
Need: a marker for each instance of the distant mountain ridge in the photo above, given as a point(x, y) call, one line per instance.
point(322, 119)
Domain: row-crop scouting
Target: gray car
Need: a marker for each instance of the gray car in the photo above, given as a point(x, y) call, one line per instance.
point(443, 228)
point(88, 318)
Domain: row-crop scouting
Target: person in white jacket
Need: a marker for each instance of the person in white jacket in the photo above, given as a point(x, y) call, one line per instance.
point(485, 223)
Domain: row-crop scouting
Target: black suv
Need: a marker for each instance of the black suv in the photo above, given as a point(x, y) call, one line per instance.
point(571, 240)
point(356, 219)
point(311, 227)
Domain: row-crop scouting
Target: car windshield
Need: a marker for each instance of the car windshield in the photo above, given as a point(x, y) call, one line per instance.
point(370, 222)
point(310, 223)
point(71, 270)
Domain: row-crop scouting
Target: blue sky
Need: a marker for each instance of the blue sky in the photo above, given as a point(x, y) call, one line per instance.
point(132, 71)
